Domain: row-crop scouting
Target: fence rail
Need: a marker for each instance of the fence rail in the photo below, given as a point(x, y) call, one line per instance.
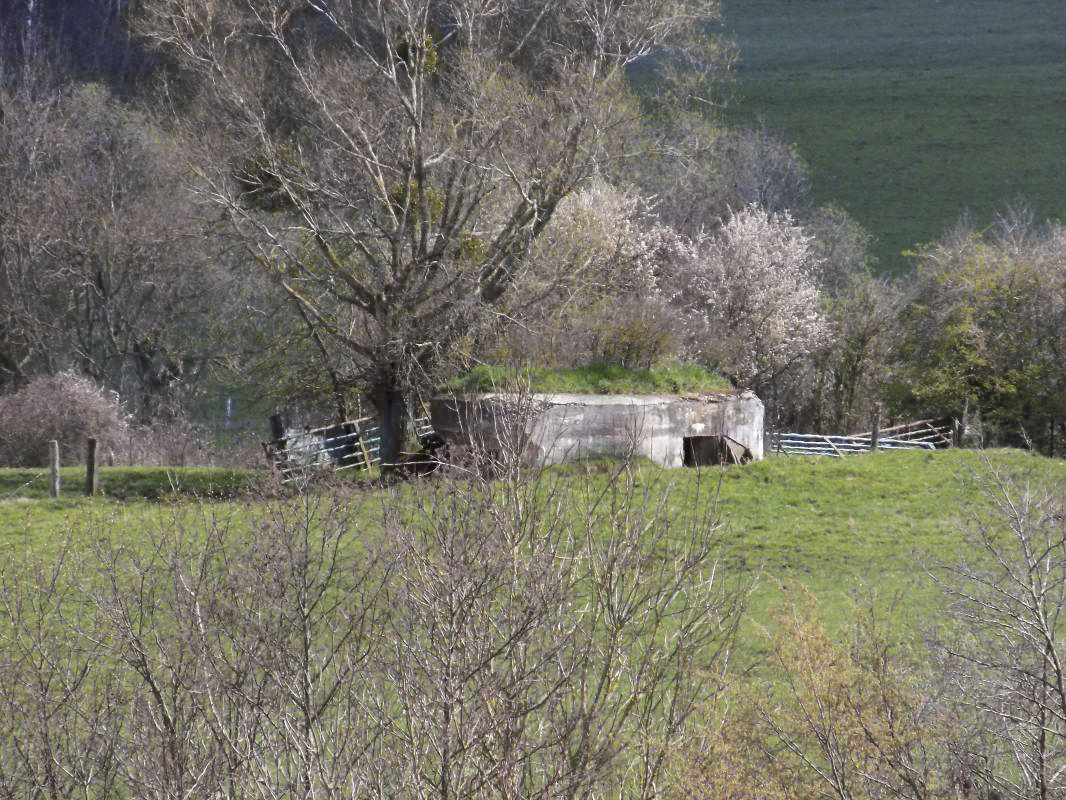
point(812, 444)
point(353, 444)
point(940, 433)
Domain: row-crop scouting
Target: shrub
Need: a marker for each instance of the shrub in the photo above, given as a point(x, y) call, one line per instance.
point(752, 299)
point(65, 407)
point(550, 636)
point(593, 280)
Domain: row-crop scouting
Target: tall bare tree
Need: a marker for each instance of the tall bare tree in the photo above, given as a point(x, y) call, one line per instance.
point(395, 160)
point(1007, 660)
point(102, 266)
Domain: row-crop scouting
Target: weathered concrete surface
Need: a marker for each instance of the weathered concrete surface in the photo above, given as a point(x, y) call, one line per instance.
point(555, 428)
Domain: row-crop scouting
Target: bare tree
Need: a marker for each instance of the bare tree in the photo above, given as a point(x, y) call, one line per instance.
point(849, 374)
point(548, 644)
point(395, 161)
point(245, 653)
point(101, 265)
point(458, 639)
point(1007, 660)
point(61, 704)
point(757, 169)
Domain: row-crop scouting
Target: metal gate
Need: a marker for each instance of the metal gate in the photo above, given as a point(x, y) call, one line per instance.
point(353, 444)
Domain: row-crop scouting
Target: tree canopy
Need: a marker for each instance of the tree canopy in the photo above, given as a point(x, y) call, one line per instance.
point(390, 164)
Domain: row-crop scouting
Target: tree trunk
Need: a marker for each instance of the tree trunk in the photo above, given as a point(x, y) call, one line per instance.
point(391, 405)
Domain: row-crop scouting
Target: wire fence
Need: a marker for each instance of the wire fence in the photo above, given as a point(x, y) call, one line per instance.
point(16, 491)
point(920, 435)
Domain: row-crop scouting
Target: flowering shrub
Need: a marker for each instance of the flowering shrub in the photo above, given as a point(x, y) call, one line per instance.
point(65, 407)
point(591, 294)
point(618, 286)
point(752, 299)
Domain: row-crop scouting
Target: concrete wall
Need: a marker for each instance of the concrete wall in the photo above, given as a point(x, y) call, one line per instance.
point(554, 428)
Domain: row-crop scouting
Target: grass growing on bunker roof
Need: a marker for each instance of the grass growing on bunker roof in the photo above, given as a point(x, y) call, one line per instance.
point(594, 379)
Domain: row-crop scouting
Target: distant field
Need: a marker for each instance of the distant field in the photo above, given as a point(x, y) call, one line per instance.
point(910, 111)
point(864, 528)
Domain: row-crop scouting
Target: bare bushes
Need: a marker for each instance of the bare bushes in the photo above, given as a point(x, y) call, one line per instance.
point(565, 637)
point(172, 443)
point(65, 407)
point(756, 168)
point(71, 409)
point(458, 640)
point(850, 717)
point(58, 699)
point(1007, 658)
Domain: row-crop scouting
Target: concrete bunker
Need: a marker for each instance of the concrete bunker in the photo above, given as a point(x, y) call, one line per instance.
point(671, 430)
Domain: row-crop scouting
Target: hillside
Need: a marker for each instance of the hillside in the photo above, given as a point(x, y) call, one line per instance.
point(910, 112)
point(862, 527)
point(513, 588)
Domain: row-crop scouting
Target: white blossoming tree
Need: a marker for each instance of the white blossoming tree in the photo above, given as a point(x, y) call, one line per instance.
point(752, 298)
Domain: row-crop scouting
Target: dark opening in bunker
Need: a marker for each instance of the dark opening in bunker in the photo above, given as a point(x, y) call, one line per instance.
point(703, 451)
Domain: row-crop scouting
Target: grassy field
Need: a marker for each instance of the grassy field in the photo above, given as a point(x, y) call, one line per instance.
point(861, 529)
point(910, 111)
point(130, 499)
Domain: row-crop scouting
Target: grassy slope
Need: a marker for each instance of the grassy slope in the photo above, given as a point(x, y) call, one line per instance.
point(30, 519)
point(864, 527)
point(911, 111)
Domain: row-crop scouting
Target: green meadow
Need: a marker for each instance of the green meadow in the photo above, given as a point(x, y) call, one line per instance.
point(863, 529)
point(910, 112)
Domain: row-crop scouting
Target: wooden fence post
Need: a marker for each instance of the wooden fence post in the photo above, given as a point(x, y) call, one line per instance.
point(362, 446)
point(53, 467)
point(91, 481)
point(875, 430)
